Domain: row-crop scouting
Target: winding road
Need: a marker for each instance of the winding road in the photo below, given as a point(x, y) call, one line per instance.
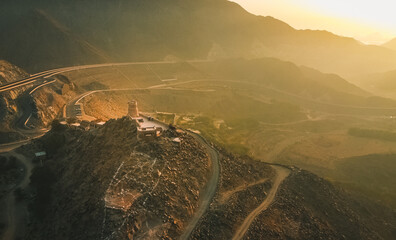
point(281, 174)
point(206, 196)
point(211, 187)
point(210, 190)
point(50, 73)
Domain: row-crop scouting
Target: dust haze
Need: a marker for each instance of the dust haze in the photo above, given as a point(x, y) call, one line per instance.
point(191, 119)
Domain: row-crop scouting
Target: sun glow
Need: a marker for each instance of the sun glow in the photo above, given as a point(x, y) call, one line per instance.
point(372, 22)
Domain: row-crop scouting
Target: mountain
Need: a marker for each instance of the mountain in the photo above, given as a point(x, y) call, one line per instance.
point(103, 183)
point(382, 83)
point(308, 207)
point(8, 102)
point(20, 110)
point(43, 41)
point(391, 44)
point(290, 80)
point(137, 30)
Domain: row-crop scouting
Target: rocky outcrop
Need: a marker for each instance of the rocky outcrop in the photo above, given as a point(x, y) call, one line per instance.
point(49, 101)
point(244, 185)
point(8, 103)
point(41, 107)
point(309, 207)
point(105, 184)
point(110, 186)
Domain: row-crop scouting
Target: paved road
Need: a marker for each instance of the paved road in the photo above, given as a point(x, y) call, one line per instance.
point(281, 174)
point(20, 124)
point(11, 146)
point(211, 187)
point(70, 112)
point(26, 81)
point(50, 73)
point(24, 103)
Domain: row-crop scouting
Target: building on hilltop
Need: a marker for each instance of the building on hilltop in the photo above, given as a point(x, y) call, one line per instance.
point(147, 127)
point(133, 111)
point(148, 133)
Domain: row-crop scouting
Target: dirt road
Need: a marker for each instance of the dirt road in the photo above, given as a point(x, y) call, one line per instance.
point(210, 191)
point(15, 220)
point(281, 174)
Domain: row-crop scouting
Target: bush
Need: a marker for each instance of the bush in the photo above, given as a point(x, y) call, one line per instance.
point(373, 133)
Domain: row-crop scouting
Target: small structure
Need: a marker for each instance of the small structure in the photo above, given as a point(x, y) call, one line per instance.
point(148, 133)
point(78, 110)
point(133, 111)
point(40, 156)
point(148, 128)
point(139, 120)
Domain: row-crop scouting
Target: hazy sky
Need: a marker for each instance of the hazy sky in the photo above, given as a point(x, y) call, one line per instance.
point(367, 20)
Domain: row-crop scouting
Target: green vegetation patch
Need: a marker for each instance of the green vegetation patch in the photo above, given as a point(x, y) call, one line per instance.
point(372, 175)
point(373, 133)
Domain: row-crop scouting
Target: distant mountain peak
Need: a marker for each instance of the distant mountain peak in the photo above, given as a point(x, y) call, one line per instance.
point(391, 44)
point(74, 32)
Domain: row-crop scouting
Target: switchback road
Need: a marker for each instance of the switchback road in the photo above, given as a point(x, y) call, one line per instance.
point(281, 174)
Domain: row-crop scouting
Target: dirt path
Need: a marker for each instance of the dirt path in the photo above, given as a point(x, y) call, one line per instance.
point(226, 195)
point(10, 205)
point(281, 175)
point(210, 191)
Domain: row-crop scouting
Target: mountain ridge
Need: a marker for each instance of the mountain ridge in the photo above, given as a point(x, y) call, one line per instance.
point(391, 44)
point(151, 30)
point(116, 195)
point(60, 44)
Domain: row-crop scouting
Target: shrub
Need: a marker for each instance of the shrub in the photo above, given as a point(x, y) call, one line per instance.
point(373, 133)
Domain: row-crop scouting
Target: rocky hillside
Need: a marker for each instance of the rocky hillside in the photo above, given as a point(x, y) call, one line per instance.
point(73, 32)
point(40, 107)
point(107, 185)
point(49, 102)
point(309, 207)
point(50, 41)
point(10, 73)
point(306, 207)
point(104, 184)
point(8, 103)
